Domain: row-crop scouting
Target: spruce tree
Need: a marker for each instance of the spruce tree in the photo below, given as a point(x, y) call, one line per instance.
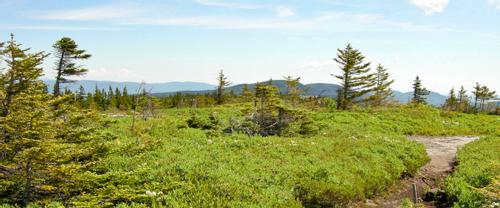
point(356, 79)
point(221, 86)
point(118, 99)
point(22, 73)
point(452, 101)
point(293, 90)
point(419, 92)
point(43, 148)
point(67, 52)
point(382, 92)
point(246, 93)
point(481, 95)
point(463, 100)
point(477, 94)
point(486, 94)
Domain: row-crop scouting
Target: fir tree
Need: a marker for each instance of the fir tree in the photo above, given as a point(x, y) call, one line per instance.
point(21, 75)
point(419, 92)
point(356, 79)
point(452, 101)
point(481, 95)
point(293, 90)
point(486, 94)
point(477, 94)
point(382, 90)
point(43, 148)
point(463, 100)
point(222, 84)
point(126, 101)
point(67, 52)
point(246, 93)
point(80, 97)
point(111, 99)
point(118, 99)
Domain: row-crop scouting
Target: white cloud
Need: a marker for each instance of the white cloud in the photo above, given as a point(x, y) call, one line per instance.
point(92, 13)
point(149, 15)
point(495, 3)
point(324, 65)
point(219, 3)
point(220, 22)
point(431, 6)
point(58, 28)
point(283, 11)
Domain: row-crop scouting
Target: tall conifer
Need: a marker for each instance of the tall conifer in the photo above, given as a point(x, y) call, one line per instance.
point(356, 79)
point(67, 52)
point(419, 92)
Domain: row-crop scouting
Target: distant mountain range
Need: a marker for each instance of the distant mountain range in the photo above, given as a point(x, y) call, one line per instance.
point(132, 87)
point(170, 88)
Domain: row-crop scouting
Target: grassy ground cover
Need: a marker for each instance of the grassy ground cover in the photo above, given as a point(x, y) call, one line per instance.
point(353, 156)
point(476, 181)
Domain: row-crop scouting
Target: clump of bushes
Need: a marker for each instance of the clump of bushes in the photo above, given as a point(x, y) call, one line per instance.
point(270, 116)
point(205, 123)
point(475, 183)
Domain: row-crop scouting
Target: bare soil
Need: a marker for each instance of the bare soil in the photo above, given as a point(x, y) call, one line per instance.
point(442, 152)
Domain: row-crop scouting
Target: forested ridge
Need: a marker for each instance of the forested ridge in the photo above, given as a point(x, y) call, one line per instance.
point(261, 147)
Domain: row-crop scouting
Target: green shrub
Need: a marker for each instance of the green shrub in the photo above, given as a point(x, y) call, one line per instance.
point(472, 184)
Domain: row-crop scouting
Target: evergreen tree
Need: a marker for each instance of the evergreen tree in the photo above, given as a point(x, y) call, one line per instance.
point(246, 93)
point(486, 94)
point(22, 73)
point(451, 102)
point(43, 147)
point(382, 90)
point(118, 99)
point(293, 91)
point(481, 95)
point(111, 102)
point(356, 79)
point(80, 97)
point(477, 94)
point(463, 100)
point(419, 92)
point(222, 84)
point(268, 106)
point(126, 100)
point(67, 52)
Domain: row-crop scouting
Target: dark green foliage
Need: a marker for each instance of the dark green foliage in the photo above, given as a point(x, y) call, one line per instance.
point(451, 102)
point(222, 84)
point(476, 181)
point(66, 53)
point(481, 94)
point(246, 94)
point(21, 75)
point(293, 92)
point(199, 122)
point(419, 92)
point(463, 102)
point(356, 79)
point(382, 92)
point(44, 142)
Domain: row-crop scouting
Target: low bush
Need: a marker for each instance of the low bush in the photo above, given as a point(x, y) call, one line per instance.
point(475, 182)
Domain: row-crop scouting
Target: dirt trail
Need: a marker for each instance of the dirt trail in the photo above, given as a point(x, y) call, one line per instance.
point(442, 151)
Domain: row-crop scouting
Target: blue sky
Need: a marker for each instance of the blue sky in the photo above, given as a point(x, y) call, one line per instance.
point(446, 42)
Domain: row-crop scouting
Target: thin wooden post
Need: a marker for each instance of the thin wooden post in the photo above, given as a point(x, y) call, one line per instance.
point(414, 193)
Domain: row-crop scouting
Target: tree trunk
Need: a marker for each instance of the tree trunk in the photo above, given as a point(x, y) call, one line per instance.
point(57, 84)
point(27, 185)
